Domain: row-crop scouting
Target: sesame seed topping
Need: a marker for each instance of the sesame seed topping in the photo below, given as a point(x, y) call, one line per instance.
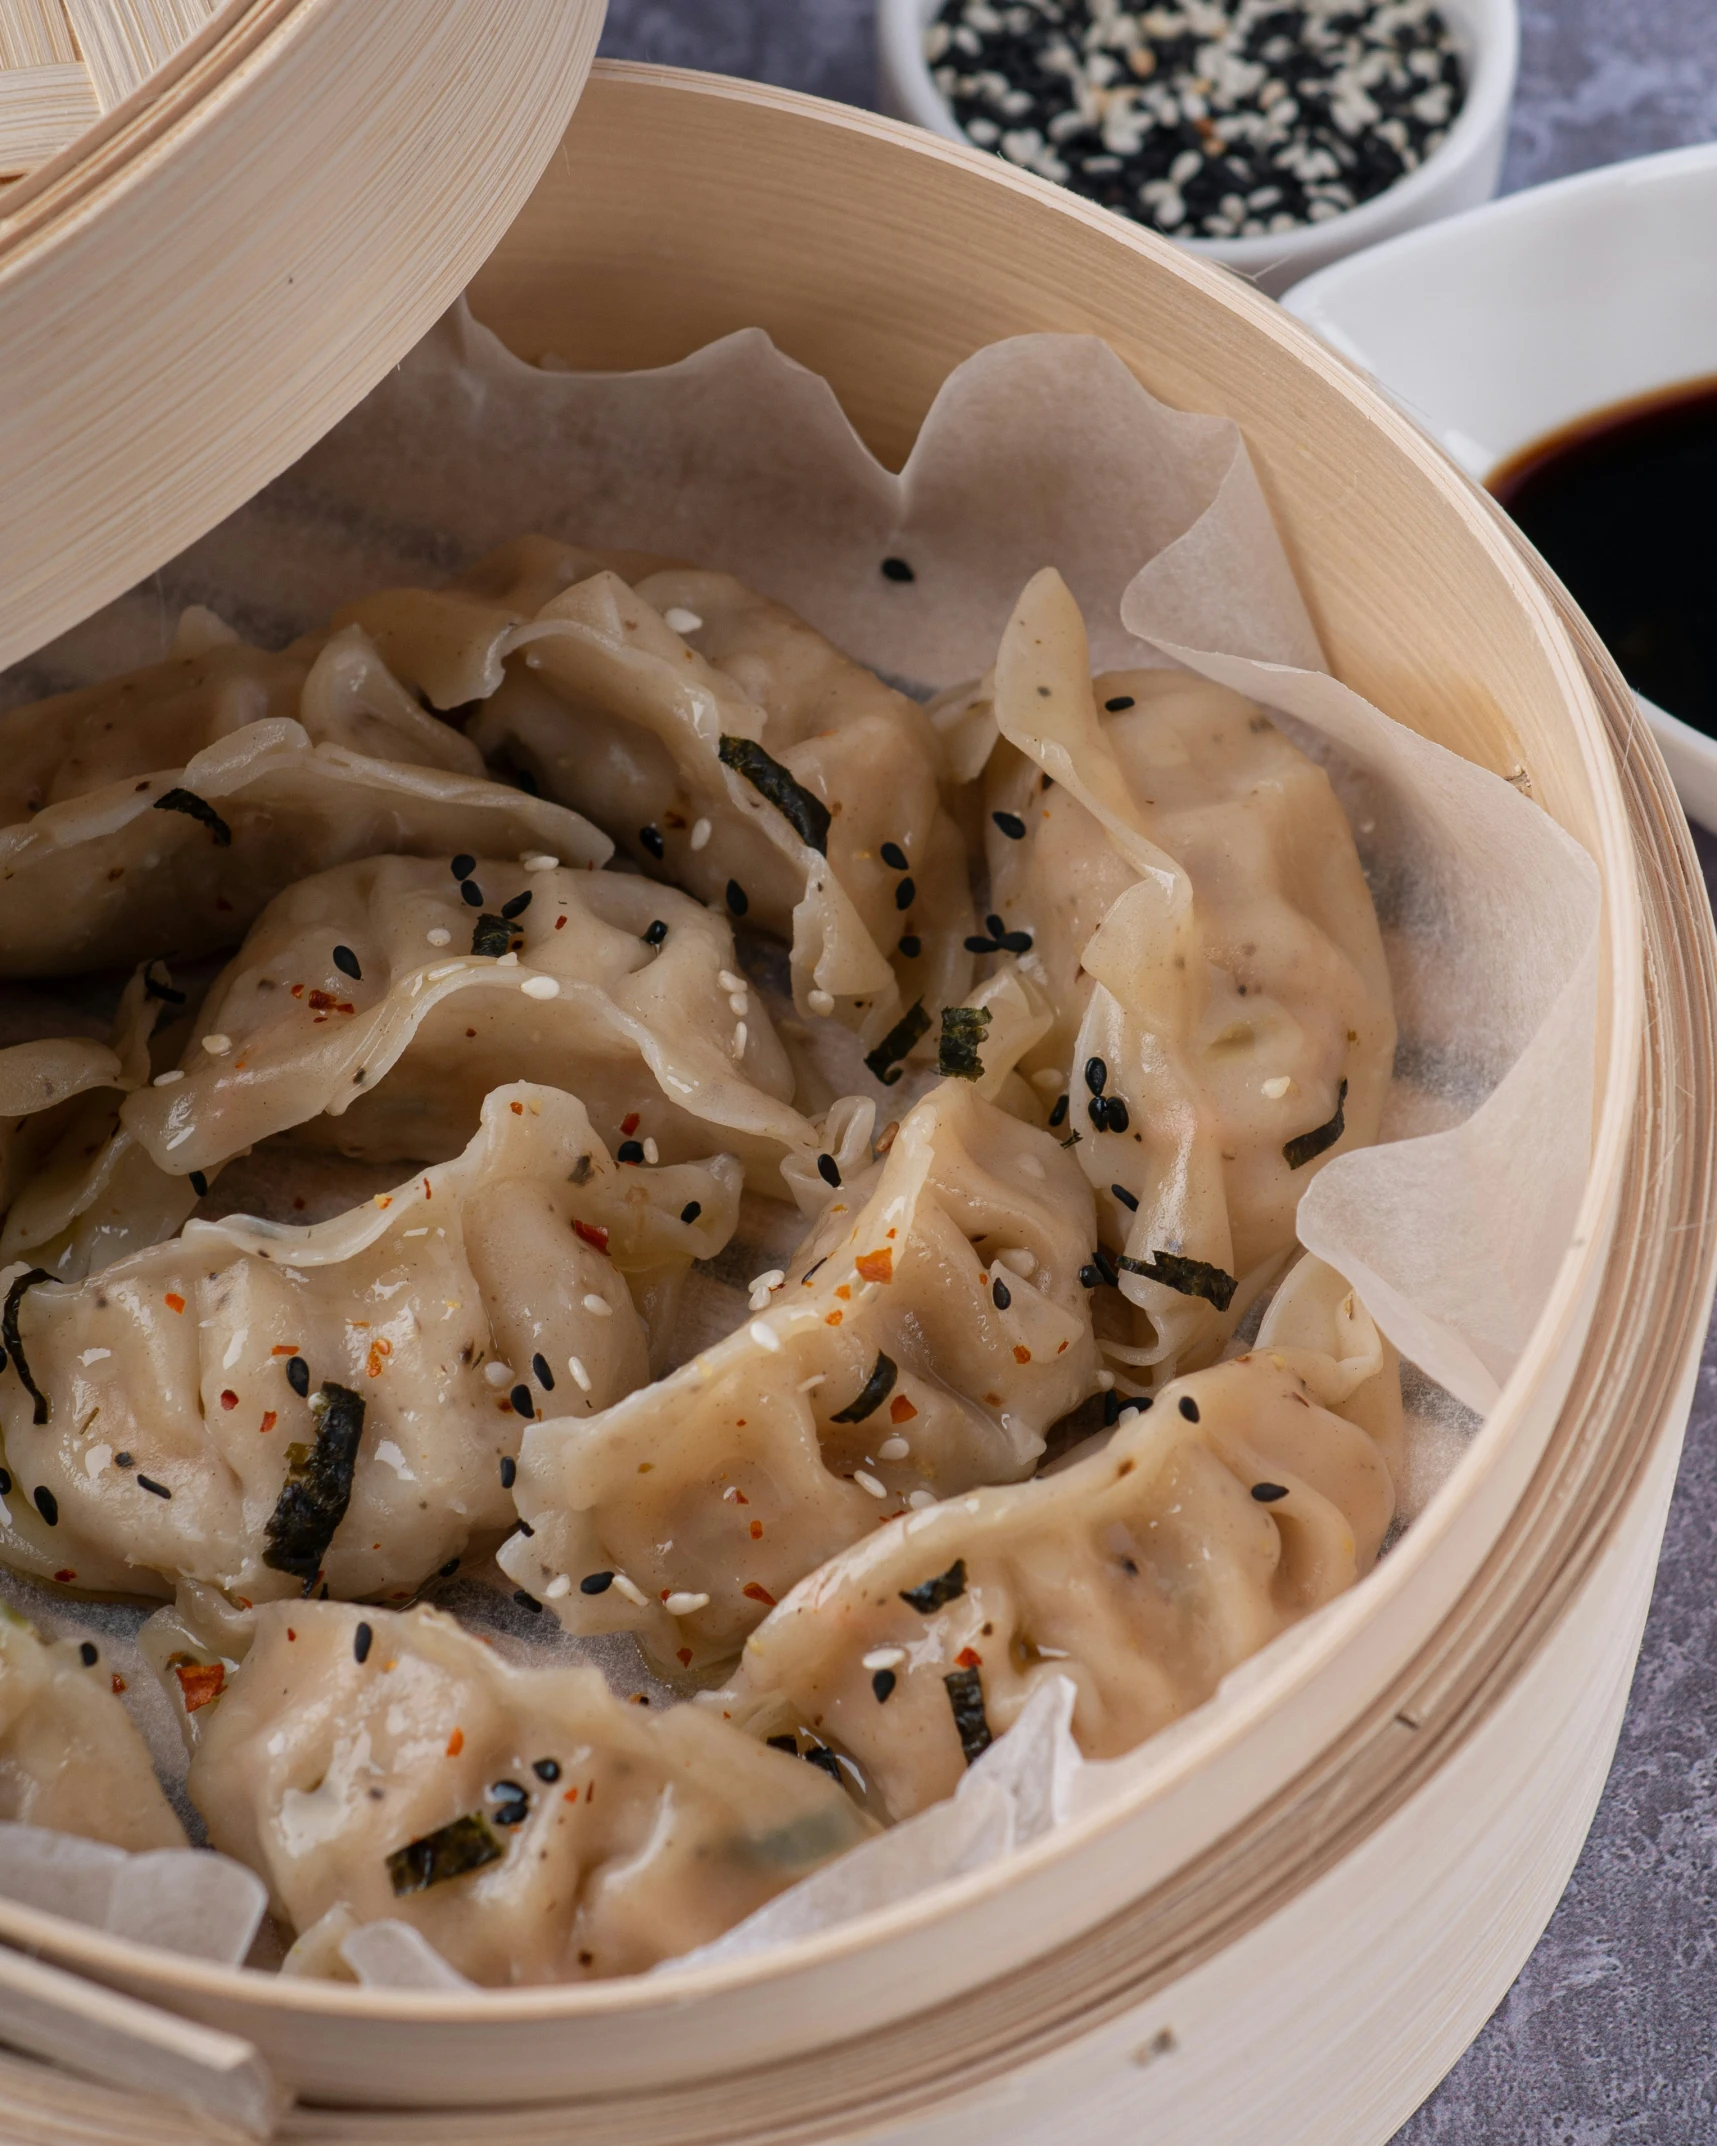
point(1268, 1493)
point(820, 1002)
point(509, 1471)
point(362, 1638)
point(657, 932)
point(580, 1377)
point(1127, 1199)
point(685, 1605)
point(829, 1171)
point(88, 1654)
point(596, 1583)
point(541, 1373)
point(217, 1045)
point(1000, 1294)
point(650, 838)
point(464, 865)
point(497, 1373)
point(870, 1483)
point(882, 1684)
point(520, 1397)
point(764, 1335)
point(539, 861)
point(440, 936)
point(1120, 701)
point(631, 1590)
point(167, 1079)
point(700, 834)
point(897, 570)
point(905, 894)
point(541, 987)
point(893, 856)
point(911, 946)
point(919, 1499)
point(599, 1307)
point(737, 901)
point(680, 620)
point(1277, 1088)
point(1010, 824)
point(1188, 1407)
point(893, 1449)
point(691, 1210)
point(885, 1658)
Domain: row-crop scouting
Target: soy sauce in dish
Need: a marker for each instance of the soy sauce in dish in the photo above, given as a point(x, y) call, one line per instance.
point(1623, 504)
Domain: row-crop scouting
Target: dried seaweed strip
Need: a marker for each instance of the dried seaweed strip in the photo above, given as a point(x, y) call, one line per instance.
point(875, 1390)
point(198, 809)
point(1192, 1277)
point(494, 935)
point(451, 1851)
point(14, 1342)
point(966, 1697)
point(963, 1029)
point(913, 1024)
point(314, 1498)
point(1307, 1147)
point(805, 813)
point(946, 1587)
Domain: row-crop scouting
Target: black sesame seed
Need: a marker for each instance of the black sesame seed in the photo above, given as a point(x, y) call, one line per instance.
point(1268, 1493)
point(691, 1210)
point(449, 1569)
point(509, 1471)
point(596, 1583)
point(883, 1684)
point(825, 1761)
point(737, 900)
point(199, 1184)
point(893, 856)
point(5, 1484)
point(630, 1151)
point(1121, 700)
point(1127, 1199)
point(994, 926)
point(347, 964)
point(1015, 942)
point(89, 1654)
point(1058, 1116)
point(298, 1375)
point(905, 894)
point(1118, 1119)
point(1010, 824)
point(362, 1639)
point(1105, 1266)
point(1189, 1408)
point(48, 1506)
point(521, 1400)
point(657, 932)
point(517, 906)
point(829, 1170)
point(527, 1601)
point(1111, 1408)
point(650, 838)
point(546, 1769)
point(1096, 1075)
point(508, 1792)
point(897, 570)
point(912, 946)
point(124, 1460)
point(541, 1373)
point(471, 894)
point(144, 1482)
point(464, 866)
point(1089, 1277)
point(1000, 1294)
point(977, 945)
point(515, 1811)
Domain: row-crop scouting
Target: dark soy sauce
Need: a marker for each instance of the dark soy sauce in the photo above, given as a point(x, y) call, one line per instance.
point(1623, 504)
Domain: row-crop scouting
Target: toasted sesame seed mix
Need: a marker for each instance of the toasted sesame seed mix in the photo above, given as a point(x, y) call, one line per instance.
point(298, 1375)
point(737, 900)
point(347, 963)
point(893, 856)
point(897, 570)
point(912, 946)
point(89, 1655)
point(657, 932)
point(829, 1170)
point(1268, 1493)
point(1058, 1116)
point(1010, 824)
point(596, 1583)
point(527, 1601)
point(1204, 118)
point(464, 865)
point(688, 1213)
point(471, 894)
point(546, 1769)
point(1188, 1407)
point(1120, 702)
point(509, 1471)
point(883, 1683)
point(541, 1372)
point(651, 838)
point(1000, 1294)
point(362, 1639)
point(523, 1405)
point(905, 894)
point(1126, 1198)
point(630, 1151)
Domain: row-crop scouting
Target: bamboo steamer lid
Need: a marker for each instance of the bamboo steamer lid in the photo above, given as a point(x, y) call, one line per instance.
point(220, 224)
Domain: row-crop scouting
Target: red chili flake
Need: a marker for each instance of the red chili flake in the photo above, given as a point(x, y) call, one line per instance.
point(378, 1351)
point(65, 1575)
point(1061, 1348)
point(901, 1410)
point(518, 1109)
point(456, 1743)
point(994, 1399)
point(326, 1002)
point(427, 1193)
point(269, 1420)
point(200, 1682)
point(968, 1658)
point(297, 990)
point(893, 1233)
point(876, 1266)
point(629, 1123)
point(571, 1796)
point(229, 1399)
point(1022, 1355)
point(174, 1301)
point(290, 1633)
point(118, 1683)
point(833, 1318)
point(285, 1348)
point(756, 1593)
point(685, 1655)
point(739, 1498)
point(470, 1032)
point(757, 1531)
point(560, 923)
point(505, 1407)
point(592, 1233)
point(244, 1602)
point(844, 1291)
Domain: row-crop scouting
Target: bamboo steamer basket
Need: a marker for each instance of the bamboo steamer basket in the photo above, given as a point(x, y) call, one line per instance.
point(266, 214)
point(1301, 1917)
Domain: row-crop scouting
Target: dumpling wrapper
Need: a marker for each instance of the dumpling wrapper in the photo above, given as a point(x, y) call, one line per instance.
point(394, 1063)
point(925, 1338)
point(439, 1307)
point(615, 695)
point(1250, 1494)
point(1199, 918)
point(591, 1837)
point(71, 1758)
point(183, 858)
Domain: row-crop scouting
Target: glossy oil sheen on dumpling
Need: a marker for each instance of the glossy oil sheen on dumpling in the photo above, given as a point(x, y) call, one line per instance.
point(1250, 1494)
point(531, 1825)
point(129, 852)
point(924, 1339)
point(726, 746)
point(262, 1408)
point(1198, 915)
point(622, 991)
point(70, 1757)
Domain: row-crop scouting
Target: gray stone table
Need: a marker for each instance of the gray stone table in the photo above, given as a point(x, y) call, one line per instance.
point(1609, 2037)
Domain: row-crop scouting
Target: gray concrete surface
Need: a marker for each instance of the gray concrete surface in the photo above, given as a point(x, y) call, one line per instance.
point(1609, 2037)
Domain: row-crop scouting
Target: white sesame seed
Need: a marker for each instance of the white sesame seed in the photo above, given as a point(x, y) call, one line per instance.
point(580, 1377)
point(728, 981)
point(652, 1153)
point(884, 1658)
point(684, 1605)
point(893, 1449)
point(1105, 1381)
point(166, 1080)
point(765, 1335)
point(631, 1590)
point(700, 833)
point(870, 1483)
point(763, 1286)
point(507, 961)
point(440, 936)
point(919, 1499)
point(217, 1045)
point(739, 1039)
point(739, 1002)
point(558, 1586)
point(539, 861)
point(498, 1373)
point(680, 619)
point(820, 1002)
point(1277, 1088)
point(598, 1307)
point(541, 987)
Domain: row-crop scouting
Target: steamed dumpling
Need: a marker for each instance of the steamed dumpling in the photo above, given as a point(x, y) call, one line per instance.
point(263, 1408)
point(130, 853)
point(531, 1825)
point(726, 746)
point(70, 1757)
point(379, 999)
point(1187, 892)
point(1250, 1494)
point(924, 1339)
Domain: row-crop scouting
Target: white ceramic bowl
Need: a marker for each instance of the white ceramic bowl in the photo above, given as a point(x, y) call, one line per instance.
point(1509, 322)
point(1460, 175)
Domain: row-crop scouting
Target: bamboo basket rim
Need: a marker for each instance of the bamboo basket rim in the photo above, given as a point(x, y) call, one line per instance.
point(1589, 693)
